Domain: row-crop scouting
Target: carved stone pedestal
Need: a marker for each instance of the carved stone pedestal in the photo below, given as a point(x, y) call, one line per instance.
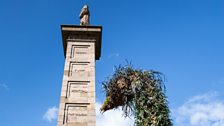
point(82, 46)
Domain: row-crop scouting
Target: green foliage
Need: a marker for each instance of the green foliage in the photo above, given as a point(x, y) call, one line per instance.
point(139, 93)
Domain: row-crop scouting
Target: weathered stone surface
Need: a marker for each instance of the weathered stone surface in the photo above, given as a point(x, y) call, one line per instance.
point(77, 33)
point(84, 16)
point(77, 103)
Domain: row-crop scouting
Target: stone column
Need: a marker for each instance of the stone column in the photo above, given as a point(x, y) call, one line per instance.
point(82, 46)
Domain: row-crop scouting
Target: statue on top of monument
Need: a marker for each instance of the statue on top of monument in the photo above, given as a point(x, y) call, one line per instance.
point(84, 15)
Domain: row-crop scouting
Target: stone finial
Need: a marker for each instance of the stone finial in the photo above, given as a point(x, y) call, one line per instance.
point(84, 15)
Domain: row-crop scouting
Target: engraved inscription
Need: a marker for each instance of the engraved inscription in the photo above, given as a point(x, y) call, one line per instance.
point(79, 50)
point(78, 68)
point(77, 90)
point(76, 113)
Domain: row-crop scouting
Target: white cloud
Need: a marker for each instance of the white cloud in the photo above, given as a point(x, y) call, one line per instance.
point(202, 110)
point(113, 55)
point(111, 118)
point(4, 86)
point(51, 114)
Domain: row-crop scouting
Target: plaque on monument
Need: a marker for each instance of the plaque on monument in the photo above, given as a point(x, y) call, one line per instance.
point(77, 91)
point(76, 113)
point(79, 70)
point(79, 51)
point(82, 51)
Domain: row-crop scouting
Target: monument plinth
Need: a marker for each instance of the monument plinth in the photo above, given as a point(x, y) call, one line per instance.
point(82, 46)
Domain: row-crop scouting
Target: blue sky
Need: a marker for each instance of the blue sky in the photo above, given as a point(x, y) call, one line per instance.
point(183, 39)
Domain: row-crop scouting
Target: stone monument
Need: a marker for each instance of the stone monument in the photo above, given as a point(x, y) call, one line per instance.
point(84, 16)
point(82, 46)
